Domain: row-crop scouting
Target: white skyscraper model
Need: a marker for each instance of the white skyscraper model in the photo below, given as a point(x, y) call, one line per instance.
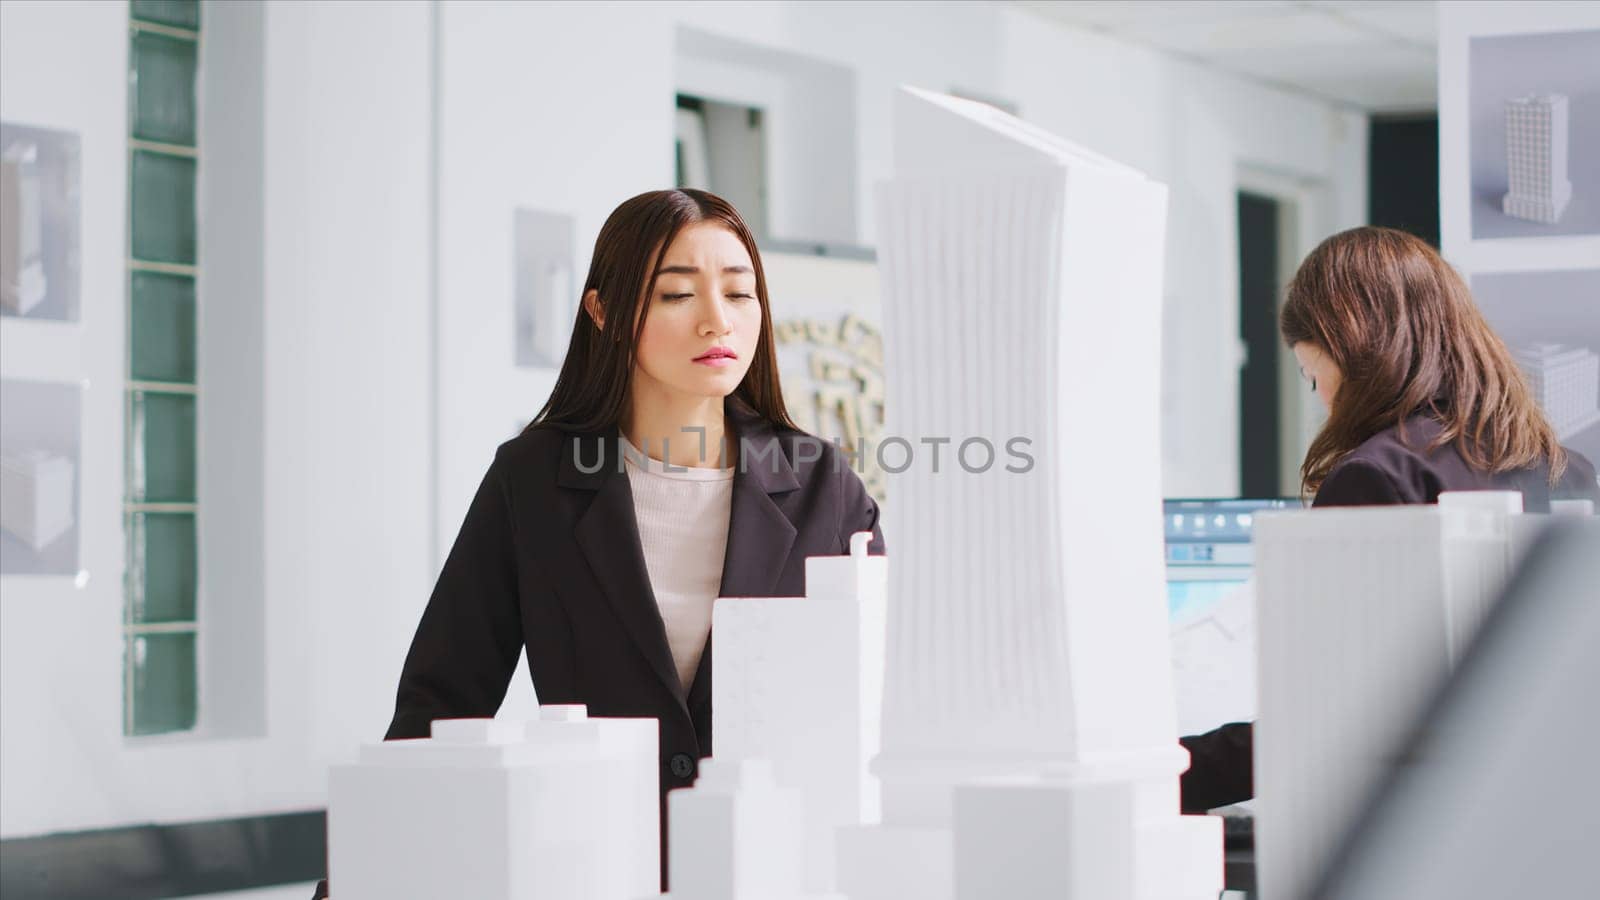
point(22, 281)
point(1360, 613)
point(35, 496)
point(797, 682)
point(1566, 383)
point(1027, 633)
point(1536, 158)
point(561, 808)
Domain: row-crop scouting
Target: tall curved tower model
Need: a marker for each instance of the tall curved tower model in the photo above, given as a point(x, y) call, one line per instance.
point(1028, 698)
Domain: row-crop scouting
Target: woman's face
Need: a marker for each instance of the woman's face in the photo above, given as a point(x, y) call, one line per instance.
point(1317, 368)
point(700, 336)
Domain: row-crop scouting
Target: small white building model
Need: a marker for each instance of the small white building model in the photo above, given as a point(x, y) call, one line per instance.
point(561, 808)
point(737, 835)
point(1027, 630)
point(1536, 158)
point(1361, 612)
point(798, 681)
point(1566, 383)
point(36, 496)
point(22, 280)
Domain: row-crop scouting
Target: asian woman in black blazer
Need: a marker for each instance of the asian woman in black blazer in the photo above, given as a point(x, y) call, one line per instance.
point(1422, 398)
point(672, 353)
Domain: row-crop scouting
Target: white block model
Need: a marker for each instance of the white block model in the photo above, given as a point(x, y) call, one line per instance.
point(1536, 158)
point(1360, 614)
point(1027, 616)
point(35, 496)
point(22, 281)
point(561, 808)
point(1566, 383)
point(737, 835)
point(798, 681)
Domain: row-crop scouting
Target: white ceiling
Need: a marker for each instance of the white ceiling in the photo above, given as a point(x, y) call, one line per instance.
point(1372, 55)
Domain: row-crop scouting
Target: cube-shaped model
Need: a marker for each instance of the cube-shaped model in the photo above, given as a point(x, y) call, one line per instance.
point(36, 496)
point(1033, 838)
point(798, 681)
point(561, 808)
point(737, 835)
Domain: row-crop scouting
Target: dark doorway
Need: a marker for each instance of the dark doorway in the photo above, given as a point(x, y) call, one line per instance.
point(1403, 174)
point(1258, 332)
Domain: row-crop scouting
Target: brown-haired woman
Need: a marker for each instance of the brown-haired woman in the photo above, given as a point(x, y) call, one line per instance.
point(1422, 398)
point(662, 473)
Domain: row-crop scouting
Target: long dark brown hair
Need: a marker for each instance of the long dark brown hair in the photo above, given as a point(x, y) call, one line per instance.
point(592, 389)
point(1401, 326)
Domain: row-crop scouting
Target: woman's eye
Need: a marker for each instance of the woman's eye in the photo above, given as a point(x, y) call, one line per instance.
point(742, 296)
point(672, 297)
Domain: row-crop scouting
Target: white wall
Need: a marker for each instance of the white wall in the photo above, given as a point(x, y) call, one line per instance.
point(566, 108)
point(61, 644)
point(1458, 23)
point(346, 425)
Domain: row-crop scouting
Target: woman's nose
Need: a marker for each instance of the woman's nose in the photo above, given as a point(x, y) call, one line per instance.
point(715, 320)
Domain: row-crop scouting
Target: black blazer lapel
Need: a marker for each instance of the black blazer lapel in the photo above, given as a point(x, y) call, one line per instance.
point(608, 535)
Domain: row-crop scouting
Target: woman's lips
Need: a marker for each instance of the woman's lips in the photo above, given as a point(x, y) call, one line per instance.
point(716, 357)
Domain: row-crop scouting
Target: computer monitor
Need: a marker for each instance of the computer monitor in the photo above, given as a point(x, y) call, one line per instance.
point(1211, 607)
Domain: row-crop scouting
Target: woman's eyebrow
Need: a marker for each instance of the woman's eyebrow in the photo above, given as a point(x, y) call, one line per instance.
point(693, 270)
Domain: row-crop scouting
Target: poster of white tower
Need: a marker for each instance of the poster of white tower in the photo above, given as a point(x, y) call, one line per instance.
point(1536, 158)
point(1566, 383)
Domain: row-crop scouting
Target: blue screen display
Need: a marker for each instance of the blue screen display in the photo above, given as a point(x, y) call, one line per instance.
point(1189, 599)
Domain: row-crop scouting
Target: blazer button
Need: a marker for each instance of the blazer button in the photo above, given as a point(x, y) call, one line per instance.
point(682, 765)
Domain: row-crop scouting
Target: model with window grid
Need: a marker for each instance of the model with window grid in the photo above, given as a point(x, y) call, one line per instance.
point(1536, 158)
point(1566, 383)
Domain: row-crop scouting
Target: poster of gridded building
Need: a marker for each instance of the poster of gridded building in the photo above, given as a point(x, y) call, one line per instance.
point(1534, 108)
point(1538, 136)
point(1551, 322)
point(1566, 382)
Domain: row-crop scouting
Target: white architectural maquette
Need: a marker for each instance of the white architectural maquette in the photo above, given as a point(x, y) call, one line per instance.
point(1566, 383)
point(1536, 158)
point(36, 496)
point(22, 280)
point(1361, 613)
point(1027, 631)
point(561, 808)
point(737, 835)
point(798, 682)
